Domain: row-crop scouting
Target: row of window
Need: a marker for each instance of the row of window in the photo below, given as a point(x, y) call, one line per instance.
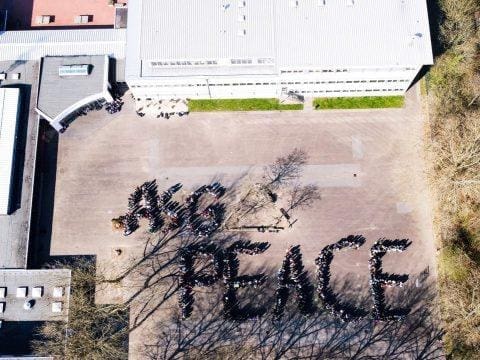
point(343, 91)
point(345, 70)
point(310, 71)
point(241, 61)
point(273, 83)
point(183, 63)
point(341, 82)
point(260, 61)
point(204, 84)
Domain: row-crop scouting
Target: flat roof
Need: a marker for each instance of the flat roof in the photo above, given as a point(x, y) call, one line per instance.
point(303, 33)
point(58, 93)
point(15, 228)
point(35, 44)
point(9, 100)
point(46, 280)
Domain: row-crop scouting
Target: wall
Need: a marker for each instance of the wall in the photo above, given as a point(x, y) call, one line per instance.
point(318, 83)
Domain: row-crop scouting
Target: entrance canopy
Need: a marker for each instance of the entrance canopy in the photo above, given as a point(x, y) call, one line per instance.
point(69, 83)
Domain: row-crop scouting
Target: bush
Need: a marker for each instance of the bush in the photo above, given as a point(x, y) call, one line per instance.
point(449, 84)
point(458, 27)
point(454, 264)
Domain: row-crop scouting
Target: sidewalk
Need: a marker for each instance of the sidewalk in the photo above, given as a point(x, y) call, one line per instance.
point(308, 104)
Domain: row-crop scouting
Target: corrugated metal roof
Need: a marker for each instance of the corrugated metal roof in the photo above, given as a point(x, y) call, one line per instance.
point(369, 33)
point(8, 126)
point(318, 33)
point(34, 44)
point(191, 29)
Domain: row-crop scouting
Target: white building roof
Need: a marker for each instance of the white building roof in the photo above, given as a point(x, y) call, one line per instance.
point(8, 126)
point(34, 44)
point(295, 33)
point(21, 285)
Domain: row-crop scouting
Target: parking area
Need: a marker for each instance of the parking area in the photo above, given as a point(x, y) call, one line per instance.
point(368, 165)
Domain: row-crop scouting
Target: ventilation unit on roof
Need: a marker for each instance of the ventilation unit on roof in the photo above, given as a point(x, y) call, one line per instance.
point(293, 3)
point(242, 32)
point(322, 2)
point(241, 4)
point(350, 2)
point(241, 18)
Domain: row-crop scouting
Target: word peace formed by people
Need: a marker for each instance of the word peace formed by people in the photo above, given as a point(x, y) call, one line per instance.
point(201, 215)
point(223, 264)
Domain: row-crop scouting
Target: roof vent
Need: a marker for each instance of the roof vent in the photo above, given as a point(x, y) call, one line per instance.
point(350, 2)
point(322, 2)
point(293, 3)
point(241, 4)
point(242, 32)
point(241, 18)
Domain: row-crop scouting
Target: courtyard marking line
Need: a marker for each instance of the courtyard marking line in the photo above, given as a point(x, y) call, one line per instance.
point(324, 176)
point(357, 148)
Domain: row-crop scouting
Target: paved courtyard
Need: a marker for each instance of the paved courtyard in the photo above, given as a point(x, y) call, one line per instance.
point(368, 165)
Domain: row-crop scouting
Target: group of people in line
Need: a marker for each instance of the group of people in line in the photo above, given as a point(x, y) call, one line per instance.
point(293, 276)
point(145, 202)
point(345, 312)
point(225, 266)
point(379, 280)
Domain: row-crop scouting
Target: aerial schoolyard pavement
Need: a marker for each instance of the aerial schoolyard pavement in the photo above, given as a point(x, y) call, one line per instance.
point(368, 165)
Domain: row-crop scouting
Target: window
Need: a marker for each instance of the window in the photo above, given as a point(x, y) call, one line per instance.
point(241, 61)
point(182, 63)
point(265, 61)
point(83, 19)
point(45, 19)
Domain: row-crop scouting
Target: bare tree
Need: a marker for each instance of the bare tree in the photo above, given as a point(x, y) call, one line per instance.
point(461, 311)
point(262, 195)
point(302, 196)
point(454, 147)
point(92, 332)
point(286, 168)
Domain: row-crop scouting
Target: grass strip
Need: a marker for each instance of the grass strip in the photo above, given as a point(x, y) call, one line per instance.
point(362, 102)
point(240, 105)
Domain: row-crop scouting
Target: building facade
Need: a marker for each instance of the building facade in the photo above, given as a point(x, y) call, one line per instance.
point(270, 48)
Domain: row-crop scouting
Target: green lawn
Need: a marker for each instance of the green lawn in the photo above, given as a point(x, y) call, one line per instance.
point(364, 102)
point(240, 105)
